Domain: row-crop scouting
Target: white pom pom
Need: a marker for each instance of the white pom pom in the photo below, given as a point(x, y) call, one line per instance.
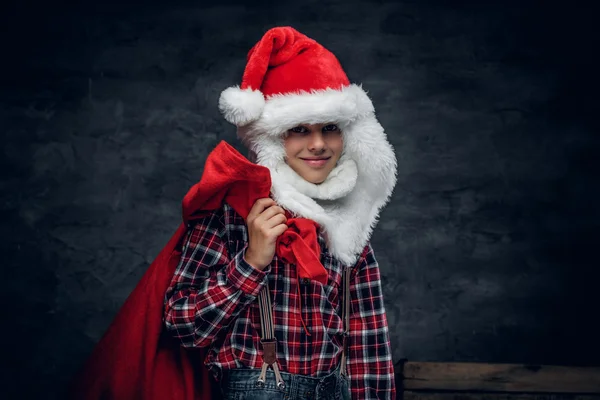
point(241, 106)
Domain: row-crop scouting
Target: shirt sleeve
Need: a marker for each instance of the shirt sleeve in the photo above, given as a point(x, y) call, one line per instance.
point(370, 363)
point(209, 288)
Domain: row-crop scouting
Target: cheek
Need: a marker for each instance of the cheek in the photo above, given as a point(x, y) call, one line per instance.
point(337, 145)
point(291, 147)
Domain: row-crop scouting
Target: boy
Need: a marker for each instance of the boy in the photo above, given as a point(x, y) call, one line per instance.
point(277, 329)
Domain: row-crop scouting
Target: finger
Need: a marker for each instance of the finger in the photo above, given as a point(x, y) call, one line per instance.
point(275, 220)
point(279, 230)
point(270, 212)
point(259, 206)
point(273, 233)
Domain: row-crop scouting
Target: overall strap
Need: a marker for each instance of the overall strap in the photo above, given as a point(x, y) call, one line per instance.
point(346, 316)
point(268, 331)
point(268, 339)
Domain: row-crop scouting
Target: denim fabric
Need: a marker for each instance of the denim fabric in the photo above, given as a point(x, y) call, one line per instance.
point(240, 384)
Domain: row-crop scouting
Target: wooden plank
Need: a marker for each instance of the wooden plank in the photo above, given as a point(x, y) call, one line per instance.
point(500, 377)
point(408, 395)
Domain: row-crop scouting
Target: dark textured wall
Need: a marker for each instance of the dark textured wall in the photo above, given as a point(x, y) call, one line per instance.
point(488, 248)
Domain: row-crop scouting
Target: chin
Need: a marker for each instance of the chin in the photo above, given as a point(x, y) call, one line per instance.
point(316, 177)
point(316, 180)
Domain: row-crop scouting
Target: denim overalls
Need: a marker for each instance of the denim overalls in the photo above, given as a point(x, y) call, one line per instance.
point(241, 384)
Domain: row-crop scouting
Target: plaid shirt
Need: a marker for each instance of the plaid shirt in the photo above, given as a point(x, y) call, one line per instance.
point(212, 302)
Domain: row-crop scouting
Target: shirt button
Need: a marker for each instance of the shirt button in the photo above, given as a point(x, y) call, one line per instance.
point(305, 281)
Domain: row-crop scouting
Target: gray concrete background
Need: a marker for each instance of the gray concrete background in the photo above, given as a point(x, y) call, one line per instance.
point(487, 250)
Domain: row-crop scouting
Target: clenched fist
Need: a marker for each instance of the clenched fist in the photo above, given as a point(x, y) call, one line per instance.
point(266, 222)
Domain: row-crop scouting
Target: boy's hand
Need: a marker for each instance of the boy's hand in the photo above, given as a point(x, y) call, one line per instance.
point(266, 222)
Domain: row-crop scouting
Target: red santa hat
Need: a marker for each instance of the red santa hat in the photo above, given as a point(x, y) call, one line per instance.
point(289, 80)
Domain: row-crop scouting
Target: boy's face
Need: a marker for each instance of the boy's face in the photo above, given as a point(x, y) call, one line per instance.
point(312, 151)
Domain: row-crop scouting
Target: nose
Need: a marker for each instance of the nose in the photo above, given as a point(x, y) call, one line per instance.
point(316, 141)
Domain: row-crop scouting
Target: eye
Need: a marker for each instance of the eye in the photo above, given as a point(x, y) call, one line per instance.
point(299, 130)
point(331, 128)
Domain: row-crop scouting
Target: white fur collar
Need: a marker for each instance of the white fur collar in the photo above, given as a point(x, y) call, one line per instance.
point(339, 183)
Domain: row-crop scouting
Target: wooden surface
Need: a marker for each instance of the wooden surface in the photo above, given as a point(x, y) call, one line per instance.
point(500, 377)
point(408, 395)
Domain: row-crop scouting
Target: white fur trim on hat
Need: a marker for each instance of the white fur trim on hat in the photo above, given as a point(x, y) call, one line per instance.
point(285, 111)
point(241, 106)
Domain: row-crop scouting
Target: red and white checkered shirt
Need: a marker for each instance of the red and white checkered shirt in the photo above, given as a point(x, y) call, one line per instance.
point(211, 301)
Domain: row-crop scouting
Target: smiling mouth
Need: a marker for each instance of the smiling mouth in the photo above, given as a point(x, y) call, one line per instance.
point(316, 162)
